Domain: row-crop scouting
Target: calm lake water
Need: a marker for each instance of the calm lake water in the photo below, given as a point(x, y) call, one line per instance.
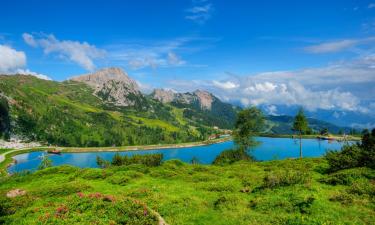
point(268, 149)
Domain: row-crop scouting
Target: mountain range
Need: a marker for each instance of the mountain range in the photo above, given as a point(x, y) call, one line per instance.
point(107, 108)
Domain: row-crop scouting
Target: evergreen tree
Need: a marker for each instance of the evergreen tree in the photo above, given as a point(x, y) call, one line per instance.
point(300, 125)
point(249, 123)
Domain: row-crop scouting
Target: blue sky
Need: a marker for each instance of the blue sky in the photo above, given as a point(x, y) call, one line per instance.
point(242, 51)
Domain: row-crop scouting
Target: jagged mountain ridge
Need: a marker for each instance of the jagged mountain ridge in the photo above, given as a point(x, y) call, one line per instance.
point(200, 105)
point(113, 85)
point(203, 98)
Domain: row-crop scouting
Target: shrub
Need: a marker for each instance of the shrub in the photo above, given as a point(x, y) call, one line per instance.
point(93, 174)
point(147, 160)
point(61, 190)
point(118, 179)
point(348, 157)
point(347, 177)
point(358, 155)
point(230, 156)
point(284, 178)
point(362, 187)
point(343, 198)
point(226, 202)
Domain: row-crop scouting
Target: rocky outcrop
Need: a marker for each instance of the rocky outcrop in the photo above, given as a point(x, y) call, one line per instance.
point(203, 98)
point(112, 85)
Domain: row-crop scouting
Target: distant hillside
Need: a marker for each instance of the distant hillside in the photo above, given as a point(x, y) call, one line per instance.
point(200, 106)
point(101, 109)
point(283, 125)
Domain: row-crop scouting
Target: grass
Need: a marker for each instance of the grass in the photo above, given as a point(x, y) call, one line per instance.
point(274, 192)
point(155, 123)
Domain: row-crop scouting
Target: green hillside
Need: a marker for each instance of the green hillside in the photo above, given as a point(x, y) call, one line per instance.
point(274, 192)
point(68, 114)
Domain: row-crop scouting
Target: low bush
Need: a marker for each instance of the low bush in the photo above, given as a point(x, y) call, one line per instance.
point(94, 174)
point(61, 190)
point(226, 202)
point(362, 187)
point(348, 157)
point(94, 208)
point(232, 155)
point(356, 155)
point(119, 160)
point(284, 178)
point(119, 179)
point(347, 177)
point(342, 197)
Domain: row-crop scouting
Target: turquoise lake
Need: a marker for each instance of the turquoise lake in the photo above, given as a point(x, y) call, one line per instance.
point(268, 149)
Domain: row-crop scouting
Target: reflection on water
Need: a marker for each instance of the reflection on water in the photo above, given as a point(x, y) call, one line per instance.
point(268, 149)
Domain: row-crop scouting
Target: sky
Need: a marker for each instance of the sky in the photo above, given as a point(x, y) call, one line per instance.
point(318, 54)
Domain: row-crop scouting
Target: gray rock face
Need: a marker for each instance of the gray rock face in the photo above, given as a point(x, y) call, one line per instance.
point(112, 85)
point(204, 98)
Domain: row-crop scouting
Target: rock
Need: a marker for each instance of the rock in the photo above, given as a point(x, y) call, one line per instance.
point(112, 85)
point(203, 98)
point(15, 192)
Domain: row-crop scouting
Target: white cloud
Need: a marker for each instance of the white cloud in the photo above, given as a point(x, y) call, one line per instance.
point(331, 46)
point(13, 62)
point(271, 110)
point(174, 59)
point(345, 86)
point(225, 84)
point(340, 45)
point(200, 12)
point(28, 72)
point(81, 53)
point(371, 5)
point(11, 59)
point(155, 54)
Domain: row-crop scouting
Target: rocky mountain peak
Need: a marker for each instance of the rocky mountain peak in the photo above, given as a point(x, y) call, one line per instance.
point(204, 98)
point(113, 85)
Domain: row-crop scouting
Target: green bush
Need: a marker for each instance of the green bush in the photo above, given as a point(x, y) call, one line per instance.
point(347, 177)
point(119, 179)
point(93, 174)
point(348, 157)
point(226, 202)
point(94, 208)
point(232, 155)
point(61, 190)
point(284, 178)
point(147, 160)
point(343, 198)
point(357, 155)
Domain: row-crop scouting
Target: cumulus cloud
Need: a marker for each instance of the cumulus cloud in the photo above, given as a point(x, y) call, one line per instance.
point(81, 53)
point(345, 86)
point(200, 12)
point(11, 59)
point(13, 62)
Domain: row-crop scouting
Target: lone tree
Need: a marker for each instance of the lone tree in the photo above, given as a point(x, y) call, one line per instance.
point(300, 125)
point(249, 123)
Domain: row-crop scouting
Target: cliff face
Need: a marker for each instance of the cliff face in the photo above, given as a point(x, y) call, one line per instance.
point(112, 85)
point(203, 98)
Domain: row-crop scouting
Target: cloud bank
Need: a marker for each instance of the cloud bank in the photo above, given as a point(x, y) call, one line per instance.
point(13, 62)
point(81, 53)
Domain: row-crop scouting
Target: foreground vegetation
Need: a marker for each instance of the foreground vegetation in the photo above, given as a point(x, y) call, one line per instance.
point(274, 192)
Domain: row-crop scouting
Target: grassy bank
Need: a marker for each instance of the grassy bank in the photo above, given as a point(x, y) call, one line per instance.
point(274, 192)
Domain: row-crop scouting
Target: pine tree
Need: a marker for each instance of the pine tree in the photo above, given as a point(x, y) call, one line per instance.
point(300, 125)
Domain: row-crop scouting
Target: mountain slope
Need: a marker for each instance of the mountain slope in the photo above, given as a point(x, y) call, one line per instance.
point(200, 106)
point(72, 113)
point(284, 124)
